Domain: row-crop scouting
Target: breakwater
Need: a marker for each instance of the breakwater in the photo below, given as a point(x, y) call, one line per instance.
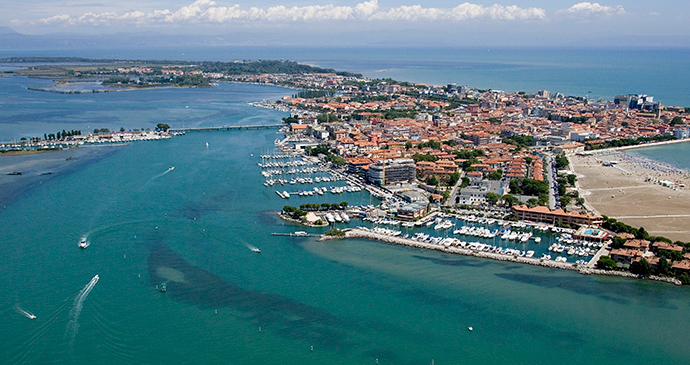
point(582, 269)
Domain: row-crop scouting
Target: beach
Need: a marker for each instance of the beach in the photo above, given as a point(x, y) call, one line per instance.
point(624, 191)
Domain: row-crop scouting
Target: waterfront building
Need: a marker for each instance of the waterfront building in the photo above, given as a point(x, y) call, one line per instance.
point(412, 211)
point(681, 133)
point(544, 214)
point(392, 171)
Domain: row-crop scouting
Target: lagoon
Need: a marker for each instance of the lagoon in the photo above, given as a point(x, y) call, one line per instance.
point(354, 301)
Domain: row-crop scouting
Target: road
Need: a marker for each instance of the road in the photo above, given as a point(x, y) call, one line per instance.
point(552, 181)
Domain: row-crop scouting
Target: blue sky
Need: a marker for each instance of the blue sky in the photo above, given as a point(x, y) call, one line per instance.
point(520, 22)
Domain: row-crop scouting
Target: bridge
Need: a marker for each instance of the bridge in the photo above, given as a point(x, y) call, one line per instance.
point(225, 128)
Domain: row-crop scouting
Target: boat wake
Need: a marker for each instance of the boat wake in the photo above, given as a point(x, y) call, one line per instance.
point(253, 248)
point(150, 181)
point(23, 312)
point(84, 242)
point(73, 325)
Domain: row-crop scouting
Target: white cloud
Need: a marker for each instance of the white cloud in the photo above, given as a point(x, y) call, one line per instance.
point(592, 9)
point(206, 11)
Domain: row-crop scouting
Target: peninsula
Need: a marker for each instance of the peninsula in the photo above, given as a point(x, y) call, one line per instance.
point(427, 148)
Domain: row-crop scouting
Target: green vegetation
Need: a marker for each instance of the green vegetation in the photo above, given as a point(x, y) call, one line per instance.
point(335, 232)
point(162, 126)
point(606, 263)
point(181, 81)
point(453, 178)
point(529, 187)
point(326, 118)
point(522, 141)
point(431, 143)
point(294, 212)
point(431, 180)
point(627, 142)
point(562, 162)
point(676, 121)
point(325, 150)
point(469, 154)
point(422, 157)
point(496, 175)
point(493, 198)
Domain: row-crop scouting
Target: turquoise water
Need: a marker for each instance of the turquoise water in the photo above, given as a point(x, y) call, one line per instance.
point(354, 301)
point(677, 155)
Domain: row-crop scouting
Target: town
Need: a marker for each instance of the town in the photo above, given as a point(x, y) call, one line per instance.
point(427, 150)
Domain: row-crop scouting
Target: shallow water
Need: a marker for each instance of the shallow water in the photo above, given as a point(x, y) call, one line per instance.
point(354, 301)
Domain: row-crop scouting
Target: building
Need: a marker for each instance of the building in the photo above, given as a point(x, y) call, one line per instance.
point(544, 214)
point(412, 211)
point(681, 133)
point(392, 171)
point(569, 148)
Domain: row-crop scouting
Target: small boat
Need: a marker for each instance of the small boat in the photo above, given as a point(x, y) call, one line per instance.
point(163, 288)
point(255, 249)
point(14, 173)
point(171, 168)
point(31, 316)
point(470, 329)
point(45, 173)
point(83, 243)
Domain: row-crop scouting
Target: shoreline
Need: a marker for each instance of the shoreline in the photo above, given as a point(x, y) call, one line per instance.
point(605, 151)
point(638, 191)
point(582, 269)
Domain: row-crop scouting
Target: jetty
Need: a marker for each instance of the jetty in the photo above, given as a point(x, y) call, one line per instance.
point(586, 269)
point(225, 128)
point(296, 234)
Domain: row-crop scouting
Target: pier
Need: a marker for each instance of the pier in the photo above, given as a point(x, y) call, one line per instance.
point(225, 128)
point(295, 234)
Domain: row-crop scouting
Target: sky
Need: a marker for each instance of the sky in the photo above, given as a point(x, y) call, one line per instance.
point(521, 22)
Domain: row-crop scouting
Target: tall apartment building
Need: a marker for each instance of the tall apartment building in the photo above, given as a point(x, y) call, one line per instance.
point(392, 171)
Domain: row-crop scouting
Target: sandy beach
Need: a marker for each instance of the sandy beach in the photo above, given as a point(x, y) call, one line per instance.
point(624, 192)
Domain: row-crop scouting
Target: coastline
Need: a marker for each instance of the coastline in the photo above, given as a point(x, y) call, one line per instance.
point(587, 269)
point(644, 145)
point(633, 191)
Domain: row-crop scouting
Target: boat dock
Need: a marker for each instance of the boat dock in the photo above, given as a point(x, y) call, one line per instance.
point(296, 234)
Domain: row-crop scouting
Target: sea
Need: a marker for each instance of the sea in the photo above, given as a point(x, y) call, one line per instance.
point(187, 211)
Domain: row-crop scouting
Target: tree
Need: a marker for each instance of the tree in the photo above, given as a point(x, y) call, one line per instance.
point(642, 234)
point(676, 121)
point(122, 129)
point(163, 127)
point(562, 162)
point(343, 205)
point(663, 267)
point(643, 268)
point(495, 175)
point(453, 178)
point(571, 179)
point(532, 202)
point(617, 242)
point(493, 198)
point(408, 145)
point(510, 200)
point(431, 180)
point(606, 263)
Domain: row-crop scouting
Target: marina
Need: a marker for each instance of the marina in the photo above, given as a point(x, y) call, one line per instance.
point(354, 300)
